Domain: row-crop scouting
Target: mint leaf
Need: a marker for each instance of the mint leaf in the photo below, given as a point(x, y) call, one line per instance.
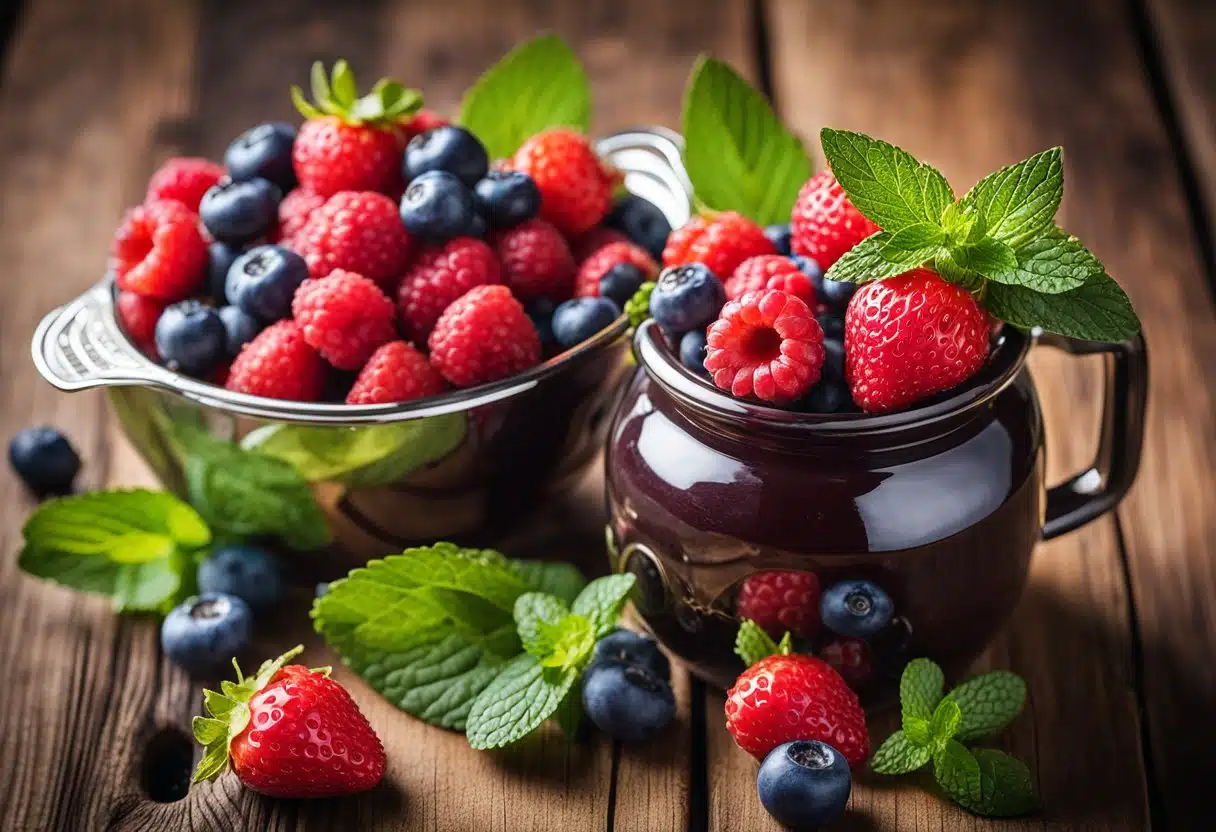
point(560, 579)
point(916, 238)
point(899, 756)
point(945, 722)
point(1020, 201)
point(537, 85)
point(602, 601)
point(1006, 789)
point(570, 643)
point(885, 182)
point(988, 256)
point(533, 611)
point(874, 259)
point(752, 643)
point(738, 154)
point(520, 698)
point(1098, 310)
point(1053, 263)
point(919, 732)
point(958, 773)
point(988, 703)
point(569, 714)
point(920, 689)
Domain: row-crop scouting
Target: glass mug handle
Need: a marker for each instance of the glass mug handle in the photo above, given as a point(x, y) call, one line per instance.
point(1099, 488)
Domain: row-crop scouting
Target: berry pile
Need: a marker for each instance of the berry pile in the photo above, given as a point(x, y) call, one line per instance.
point(377, 242)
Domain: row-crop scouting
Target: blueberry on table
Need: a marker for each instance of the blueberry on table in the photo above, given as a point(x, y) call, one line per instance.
point(240, 212)
point(263, 281)
point(577, 319)
point(220, 257)
point(831, 393)
point(621, 282)
point(206, 632)
point(437, 206)
point(687, 297)
point(240, 326)
point(626, 647)
point(627, 702)
point(692, 351)
point(449, 149)
point(44, 459)
point(779, 235)
point(540, 310)
point(191, 338)
point(248, 573)
point(642, 222)
point(855, 608)
point(263, 151)
point(836, 294)
point(832, 325)
point(507, 197)
point(804, 783)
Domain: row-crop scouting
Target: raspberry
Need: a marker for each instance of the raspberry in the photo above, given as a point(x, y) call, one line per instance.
point(159, 252)
point(536, 262)
point(770, 271)
point(484, 336)
point(294, 211)
point(184, 178)
point(440, 275)
point(727, 241)
point(824, 223)
point(587, 281)
point(138, 316)
point(781, 600)
point(345, 317)
point(330, 155)
point(357, 231)
point(279, 364)
point(395, 373)
point(422, 121)
point(850, 657)
point(767, 345)
point(575, 187)
point(585, 245)
point(675, 253)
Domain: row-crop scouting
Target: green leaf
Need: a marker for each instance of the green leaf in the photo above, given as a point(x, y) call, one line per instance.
point(537, 85)
point(342, 85)
point(915, 238)
point(919, 732)
point(534, 610)
point(920, 689)
point(874, 259)
point(150, 586)
point(638, 306)
point(1018, 202)
point(1096, 311)
point(321, 93)
point(1053, 263)
point(602, 601)
point(885, 182)
point(988, 703)
point(752, 643)
point(986, 257)
point(569, 642)
point(958, 773)
point(1006, 788)
point(945, 721)
point(520, 698)
point(738, 154)
point(899, 756)
point(569, 714)
point(560, 579)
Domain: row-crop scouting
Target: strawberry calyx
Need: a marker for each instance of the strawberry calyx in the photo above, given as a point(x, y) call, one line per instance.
point(387, 105)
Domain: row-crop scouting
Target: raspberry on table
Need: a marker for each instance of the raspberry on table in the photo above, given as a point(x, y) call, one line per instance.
point(484, 336)
point(294, 211)
point(536, 262)
point(765, 345)
point(185, 179)
point(159, 251)
point(440, 275)
point(345, 317)
point(356, 231)
point(397, 372)
point(770, 271)
point(781, 600)
point(593, 269)
point(138, 316)
point(825, 224)
point(575, 186)
point(279, 364)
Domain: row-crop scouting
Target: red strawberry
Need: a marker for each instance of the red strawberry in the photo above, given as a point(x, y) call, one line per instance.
point(781, 600)
point(395, 373)
point(184, 178)
point(910, 336)
point(358, 232)
point(587, 281)
point(159, 252)
point(726, 240)
point(536, 262)
point(825, 224)
point(784, 698)
point(295, 733)
point(770, 271)
point(850, 657)
point(575, 186)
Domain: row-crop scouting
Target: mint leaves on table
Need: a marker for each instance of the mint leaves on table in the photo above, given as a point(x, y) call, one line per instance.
point(1000, 240)
point(537, 85)
point(753, 643)
point(935, 726)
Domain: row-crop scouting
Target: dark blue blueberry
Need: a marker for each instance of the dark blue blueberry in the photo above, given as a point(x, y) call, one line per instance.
point(621, 282)
point(687, 297)
point(248, 573)
point(836, 295)
point(44, 459)
point(642, 222)
point(855, 608)
point(832, 325)
point(437, 206)
point(692, 351)
point(627, 702)
point(240, 212)
point(220, 257)
point(240, 326)
point(540, 310)
point(831, 393)
point(833, 358)
point(263, 281)
point(627, 647)
point(480, 227)
point(449, 149)
point(577, 319)
point(780, 237)
point(804, 783)
point(507, 198)
point(206, 632)
point(263, 151)
point(191, 338)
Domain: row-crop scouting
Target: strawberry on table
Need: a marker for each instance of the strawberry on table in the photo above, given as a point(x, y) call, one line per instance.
point(825, 224)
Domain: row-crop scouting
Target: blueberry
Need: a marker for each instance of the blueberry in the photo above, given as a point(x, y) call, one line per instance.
point(239, 212)
point(692, 351)
point(540, 310)
point(191, 338)
point(263, 281)
point(627, 647)
point(507, 198)
point(449, 149)
point(437, 206)
point(577, 319)
point(833, 358)
point(263, 151)
point(642, 222)
point(206, 632)
point(687, 297)
point(240, 326)
point(480, 227)
point(220, 257)
point(44, 459)
point(248, 573)
point(832, 325)
point(814, 272)
point(621, 282)
point(627, 702)
point(780, 237)
point(855, 608)
point(804, 783)
point(831, 393)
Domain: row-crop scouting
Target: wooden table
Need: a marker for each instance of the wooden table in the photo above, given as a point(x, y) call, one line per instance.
point(1116, 634)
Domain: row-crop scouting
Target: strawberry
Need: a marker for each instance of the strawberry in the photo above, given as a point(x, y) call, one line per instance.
point(722, 242)
point(288, 732)
point(575, 186)
point(910, 336)
point(793, 697)
point(825, 224)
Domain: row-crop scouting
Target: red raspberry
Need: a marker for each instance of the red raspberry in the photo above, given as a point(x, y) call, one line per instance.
point(587, 282)
point(422, 121)
point(345, 317)
point(784, 698)
point(575, 186)
point(279, 364)
point(330, 155)
point(721, 242)
point(395, 373)
point(675, 253)
point(138, 316)
point(357, 231)
point(585, 245)
point(440, 275)
point(767, 345)
point(536, 262)
point(294, 211)
point(159, 252)
point(825, 224)
point(184, 178)
point(484, 336)
point(770, 271)
point(850, 657)
point(781, 600)
point(910, 336)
